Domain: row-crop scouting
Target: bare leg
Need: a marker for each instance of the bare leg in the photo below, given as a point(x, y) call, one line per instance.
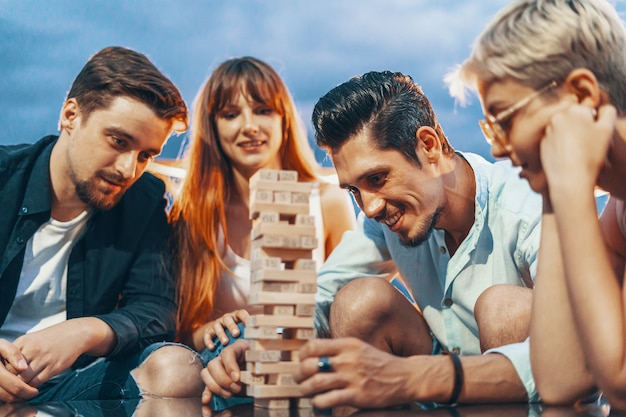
point(503, 315)
point(373, 310)
point(170, 372)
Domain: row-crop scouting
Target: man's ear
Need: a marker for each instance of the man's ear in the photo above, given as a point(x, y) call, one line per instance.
point(428, 143)
point(583, 83)
point(70, 115)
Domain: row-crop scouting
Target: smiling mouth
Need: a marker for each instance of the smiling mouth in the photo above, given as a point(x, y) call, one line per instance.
point(393, 219)
point(252, 144)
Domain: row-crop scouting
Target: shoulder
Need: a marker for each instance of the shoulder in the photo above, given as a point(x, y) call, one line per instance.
point(500, 186)
point(148, 188)
point(18, 154)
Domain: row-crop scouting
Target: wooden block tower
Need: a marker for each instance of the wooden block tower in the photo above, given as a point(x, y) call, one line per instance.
point(283, 281)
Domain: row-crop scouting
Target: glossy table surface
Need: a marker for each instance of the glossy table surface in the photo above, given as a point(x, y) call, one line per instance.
point(193, 407)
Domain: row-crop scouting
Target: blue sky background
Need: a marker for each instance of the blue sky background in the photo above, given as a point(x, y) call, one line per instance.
point(314, 45)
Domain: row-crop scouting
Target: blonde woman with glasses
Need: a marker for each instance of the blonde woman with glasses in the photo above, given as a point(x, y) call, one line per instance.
point(551, 75)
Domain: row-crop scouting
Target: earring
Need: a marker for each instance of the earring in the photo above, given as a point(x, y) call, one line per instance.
point(594, 113)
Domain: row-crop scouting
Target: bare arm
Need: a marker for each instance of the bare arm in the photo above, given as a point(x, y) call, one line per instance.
point(365, 377)
point(555, 352)
point(338, 214)
point(573, 153)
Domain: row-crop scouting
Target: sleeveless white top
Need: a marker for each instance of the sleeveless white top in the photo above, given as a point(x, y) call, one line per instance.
point(233, 289)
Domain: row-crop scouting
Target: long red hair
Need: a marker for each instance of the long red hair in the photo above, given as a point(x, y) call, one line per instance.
point(199, 211)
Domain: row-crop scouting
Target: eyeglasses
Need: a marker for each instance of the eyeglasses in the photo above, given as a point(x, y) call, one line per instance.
point(491, 127)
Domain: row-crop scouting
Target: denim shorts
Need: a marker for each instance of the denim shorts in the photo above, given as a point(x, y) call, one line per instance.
point(101, 380)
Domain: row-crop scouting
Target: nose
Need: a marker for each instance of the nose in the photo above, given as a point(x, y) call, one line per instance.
point(250, 125)
point(371, 204)
point(126, 165)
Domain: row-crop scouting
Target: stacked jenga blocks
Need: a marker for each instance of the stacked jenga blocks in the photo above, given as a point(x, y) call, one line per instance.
point(283, 281)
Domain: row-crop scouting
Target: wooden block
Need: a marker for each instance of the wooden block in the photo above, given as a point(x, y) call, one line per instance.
point(261, 333)
point(275, 286)
point(276, 407)
point(307, 288)
point(300, 198)
point(265, 174)
point(263, 355)
point(270, 241)
point(284, 298)
point(273, 391)
point(302, 276)
point(287, 255)
point(249, 379)
point(305, 220)
point(305, 310)
point(303, 402)
point(258, 320)
point(281, 344)
point(306, 334)
point(258, 368)
point(263, 196)
point(279, 310)
point(287, 175)
point(290, 208)
point(295, 187)
point(282, 197)
point(270, 217)
point(277, 229)
point(306, 264)
point(290, 242)
point(281, 379)
point(308, 242)
point(260, 262)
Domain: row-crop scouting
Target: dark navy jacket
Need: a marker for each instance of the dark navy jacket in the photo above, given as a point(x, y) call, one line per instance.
point(118, 271)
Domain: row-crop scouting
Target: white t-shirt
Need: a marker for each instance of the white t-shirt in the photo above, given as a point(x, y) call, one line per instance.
point(40, 298)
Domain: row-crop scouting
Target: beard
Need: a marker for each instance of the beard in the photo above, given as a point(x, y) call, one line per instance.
point(90, 194)
point(423, 235)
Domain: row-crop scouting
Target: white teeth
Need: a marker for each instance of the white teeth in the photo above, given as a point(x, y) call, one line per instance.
point(391, 220)
point(251, 144)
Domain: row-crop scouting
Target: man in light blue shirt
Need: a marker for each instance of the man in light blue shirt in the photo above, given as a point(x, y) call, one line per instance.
point(462, 233)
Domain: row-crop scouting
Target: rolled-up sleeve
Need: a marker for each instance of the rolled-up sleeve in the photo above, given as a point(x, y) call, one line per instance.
point(519, 355)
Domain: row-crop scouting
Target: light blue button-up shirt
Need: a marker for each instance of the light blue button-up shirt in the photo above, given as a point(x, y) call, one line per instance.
point(500, 248)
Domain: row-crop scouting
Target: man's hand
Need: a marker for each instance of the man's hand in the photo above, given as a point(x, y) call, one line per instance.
point(361, 375)
point(218, 327)
point(53, 350)
point(222, 376)
point(13, 388)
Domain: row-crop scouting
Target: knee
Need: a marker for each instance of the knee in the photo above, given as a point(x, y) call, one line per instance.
point(502, 313)
point(360, 303)
point(171, 371)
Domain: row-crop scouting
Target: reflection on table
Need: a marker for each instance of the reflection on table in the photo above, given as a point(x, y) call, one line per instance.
point(193, 408)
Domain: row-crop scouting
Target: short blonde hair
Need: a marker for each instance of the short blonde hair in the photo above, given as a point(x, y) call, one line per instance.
point(535, 42)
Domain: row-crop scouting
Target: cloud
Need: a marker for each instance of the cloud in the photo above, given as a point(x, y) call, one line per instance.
point(314, 45)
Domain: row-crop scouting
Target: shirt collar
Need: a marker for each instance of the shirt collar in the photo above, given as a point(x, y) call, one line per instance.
point(38, 196)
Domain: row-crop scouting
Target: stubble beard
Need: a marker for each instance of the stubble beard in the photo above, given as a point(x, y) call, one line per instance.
point(89, 193)
point(422, 236)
